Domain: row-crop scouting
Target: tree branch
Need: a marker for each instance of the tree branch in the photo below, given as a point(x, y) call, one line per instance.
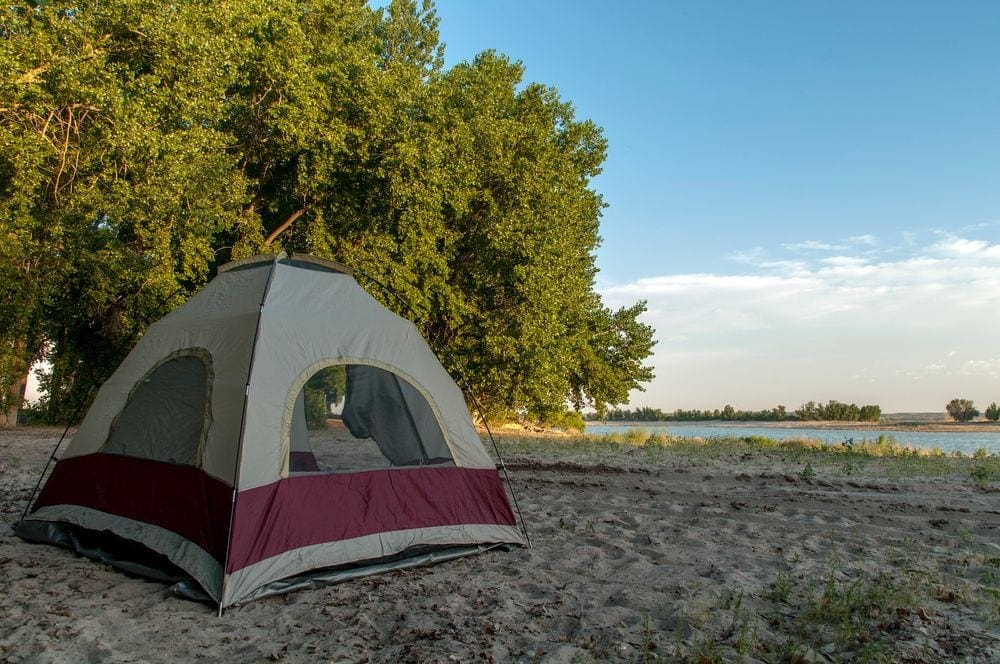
point(273, 235)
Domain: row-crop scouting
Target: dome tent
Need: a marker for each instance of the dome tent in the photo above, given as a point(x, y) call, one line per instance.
point(281, 427)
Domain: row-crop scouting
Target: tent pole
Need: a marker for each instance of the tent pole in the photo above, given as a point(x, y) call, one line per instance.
point(496, 448)
point(55, 450)
point(243, 424)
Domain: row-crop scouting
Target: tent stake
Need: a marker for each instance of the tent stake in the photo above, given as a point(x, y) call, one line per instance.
point(496, 448)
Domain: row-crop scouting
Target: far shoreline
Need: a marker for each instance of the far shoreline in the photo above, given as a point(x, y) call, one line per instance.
point(938, 427)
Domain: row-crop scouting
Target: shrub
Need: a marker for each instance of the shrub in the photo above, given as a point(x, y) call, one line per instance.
point(961, 410)
point(571, 419)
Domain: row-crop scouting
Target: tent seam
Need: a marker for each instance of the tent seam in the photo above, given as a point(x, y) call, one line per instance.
point(243, 421)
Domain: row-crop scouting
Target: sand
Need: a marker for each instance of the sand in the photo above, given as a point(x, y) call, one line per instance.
point(681, 558)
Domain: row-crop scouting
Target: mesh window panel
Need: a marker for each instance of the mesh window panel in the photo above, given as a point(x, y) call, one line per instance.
point(166, 415)
point(359, 417)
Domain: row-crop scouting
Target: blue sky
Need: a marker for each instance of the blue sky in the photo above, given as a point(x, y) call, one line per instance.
point(806, 193)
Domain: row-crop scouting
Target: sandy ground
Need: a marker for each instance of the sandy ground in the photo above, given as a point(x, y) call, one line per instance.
point(679, 559)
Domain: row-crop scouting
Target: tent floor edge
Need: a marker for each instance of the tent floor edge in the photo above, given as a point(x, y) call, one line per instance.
point(424, 557)
point(106, 547)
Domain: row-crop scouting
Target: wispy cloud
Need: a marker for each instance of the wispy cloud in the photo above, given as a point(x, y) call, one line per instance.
point(969, 228)
point(867, 239)
point(754, 255)
point(813, 245)
point(989, 367)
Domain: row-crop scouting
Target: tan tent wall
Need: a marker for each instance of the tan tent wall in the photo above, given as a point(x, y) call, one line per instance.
point(221, 319)
point(320, 318)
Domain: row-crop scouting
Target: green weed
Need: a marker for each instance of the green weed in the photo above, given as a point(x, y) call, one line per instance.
point(983, 473)
point(648, 643)
point(706, 651)
point(781, 590)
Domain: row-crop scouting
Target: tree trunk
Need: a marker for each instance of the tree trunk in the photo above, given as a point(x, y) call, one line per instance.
point(16, 398)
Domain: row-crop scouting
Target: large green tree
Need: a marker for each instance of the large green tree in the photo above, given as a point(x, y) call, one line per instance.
point(114, 179)
point(143, 143)
point(962, 410)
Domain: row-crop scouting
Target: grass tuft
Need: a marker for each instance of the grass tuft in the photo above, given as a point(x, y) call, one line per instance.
point(880, 456)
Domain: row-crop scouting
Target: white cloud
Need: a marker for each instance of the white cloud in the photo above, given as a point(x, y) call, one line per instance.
point(706, 283)
point(955, 246)
point(786, 331)
point(990, 367)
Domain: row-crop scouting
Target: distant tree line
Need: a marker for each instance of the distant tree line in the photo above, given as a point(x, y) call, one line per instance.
point(964, 410)
point(841, 412)
point(811, 411)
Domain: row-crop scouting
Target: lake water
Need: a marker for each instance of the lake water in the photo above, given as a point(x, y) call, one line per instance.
point(965, 442)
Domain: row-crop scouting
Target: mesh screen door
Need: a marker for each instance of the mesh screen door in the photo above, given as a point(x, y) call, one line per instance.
point(166, 416)
point(359, 417)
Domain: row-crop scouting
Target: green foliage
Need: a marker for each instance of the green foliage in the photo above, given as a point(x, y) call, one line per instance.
point(331, 381)
point(781, 590)
point(142, 144)
point(985, 468)
point(851, 608)
point(646, 414)
point(114, 177)
point(315, 408)
point(839, 412)
point(870, 413)
point(323, 389)
point(648, 652)
point(851, 611)
point(571, 419)
point(961, 410)
point(992, 412)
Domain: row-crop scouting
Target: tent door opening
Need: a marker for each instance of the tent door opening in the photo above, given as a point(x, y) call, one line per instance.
point(357, 417)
